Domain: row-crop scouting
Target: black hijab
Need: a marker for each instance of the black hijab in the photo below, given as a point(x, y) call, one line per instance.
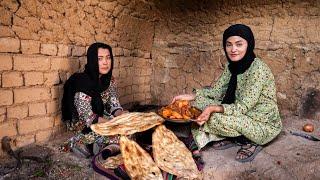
point(242, 65)
point(87, 82)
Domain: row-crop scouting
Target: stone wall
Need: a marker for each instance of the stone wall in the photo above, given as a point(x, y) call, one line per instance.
point(161, 48)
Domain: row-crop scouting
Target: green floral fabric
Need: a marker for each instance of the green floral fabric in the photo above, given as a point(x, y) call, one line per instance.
point(254, 113)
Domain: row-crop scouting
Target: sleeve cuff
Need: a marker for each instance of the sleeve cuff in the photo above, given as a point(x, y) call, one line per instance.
point(114, 110)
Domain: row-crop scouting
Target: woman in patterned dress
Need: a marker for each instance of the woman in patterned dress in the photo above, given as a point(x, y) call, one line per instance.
point(91, 97)
point(241, 108)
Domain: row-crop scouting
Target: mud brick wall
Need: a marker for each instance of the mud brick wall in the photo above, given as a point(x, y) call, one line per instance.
point(187, 49)
point(43, 42)
point(161, 48)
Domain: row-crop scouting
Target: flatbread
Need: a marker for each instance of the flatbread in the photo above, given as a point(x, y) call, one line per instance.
point(127, 124)
point(113, 162)
point(138, 163)
point(171, 155)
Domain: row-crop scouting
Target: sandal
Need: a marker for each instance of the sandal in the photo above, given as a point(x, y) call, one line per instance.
point(81, 150)
point(197, 157)
point(246, 153)
point(223, 144)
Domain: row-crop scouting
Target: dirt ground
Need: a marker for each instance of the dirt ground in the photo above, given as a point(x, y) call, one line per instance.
point(287, 157)
point(56, 164)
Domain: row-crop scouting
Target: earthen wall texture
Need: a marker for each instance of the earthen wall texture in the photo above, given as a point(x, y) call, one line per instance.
point(187, 50)
point(43, 42)
point(161, 49)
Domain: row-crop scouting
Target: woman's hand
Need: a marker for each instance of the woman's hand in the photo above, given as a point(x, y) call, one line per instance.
point(206, 113)
point(102, 120)
point(119, 112)
point(204, 116)
point(188, 97)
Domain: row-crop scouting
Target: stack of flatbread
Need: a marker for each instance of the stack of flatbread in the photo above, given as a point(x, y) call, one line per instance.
point(127, 124)
point(139, 164)
point(171, 155)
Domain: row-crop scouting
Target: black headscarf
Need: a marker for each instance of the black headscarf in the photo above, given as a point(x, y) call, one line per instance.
point(87, 82)
point(242, 65)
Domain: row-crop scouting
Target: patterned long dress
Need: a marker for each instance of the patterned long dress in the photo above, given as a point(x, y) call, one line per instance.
point(254, 114)
point(85, 117)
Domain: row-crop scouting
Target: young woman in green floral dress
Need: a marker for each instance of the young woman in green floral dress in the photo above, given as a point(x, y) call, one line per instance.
point(241, 108)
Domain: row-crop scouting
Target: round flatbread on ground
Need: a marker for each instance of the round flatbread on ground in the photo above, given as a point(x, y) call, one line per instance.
point(127, 124)
point(171, 155)
point(138, 163)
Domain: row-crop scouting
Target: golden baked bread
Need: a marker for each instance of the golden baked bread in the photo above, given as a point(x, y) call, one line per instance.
point(138, 163)
point(171, 155)
point(127, 124)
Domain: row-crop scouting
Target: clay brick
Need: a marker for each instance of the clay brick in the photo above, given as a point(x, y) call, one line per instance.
point(49, 49)
point(147, 55)
point(126, 99)
point(6, 97)
point(43, 136)
point(83, 62)
point(65, 64)
point(51, 78)
point(30, 47)
point(18, 112)
point(64, 50)
point(28, 63)
point(24, 140)
point(8, 129)
point(144, 88)
point(123, 72)
point(5, 17)
point(2, 118)
point(9, 45)
point(12, 79)
point(115, 73)
point(123, 82)
point(3, 112)
point(56, 91)
point(31, 94)
point(5, 62)
point(24, 33)
point(37, 109)
point(126, 62)
point(141, 63)
point(78, 51)
point(33, 124)
point(128, 90)
point(53, 107)
point(126, 52)
point(33, 78)
point(146, 72)
point(139, 97)
point(135, 89)
point(58, 120)
point(117, 52)
point(6, 31)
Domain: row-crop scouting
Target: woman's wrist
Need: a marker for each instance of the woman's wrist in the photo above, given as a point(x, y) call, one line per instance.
point(193, 95)
point(216, 109)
